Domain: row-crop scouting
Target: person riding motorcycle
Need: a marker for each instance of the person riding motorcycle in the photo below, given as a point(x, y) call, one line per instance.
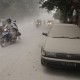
point(11, 33)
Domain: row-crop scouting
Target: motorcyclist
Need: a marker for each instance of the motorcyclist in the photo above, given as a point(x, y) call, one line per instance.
point(9, 27)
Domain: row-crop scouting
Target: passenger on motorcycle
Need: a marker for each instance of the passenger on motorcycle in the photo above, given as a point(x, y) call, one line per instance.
point(15, 27)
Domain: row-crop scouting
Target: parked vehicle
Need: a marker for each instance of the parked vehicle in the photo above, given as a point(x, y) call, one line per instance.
point(62, 46)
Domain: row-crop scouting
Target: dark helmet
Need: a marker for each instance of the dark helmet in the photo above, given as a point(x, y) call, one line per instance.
point(9, 20)
point(14, 21)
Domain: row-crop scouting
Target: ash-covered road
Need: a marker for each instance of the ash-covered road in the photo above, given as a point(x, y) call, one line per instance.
point(21, 61)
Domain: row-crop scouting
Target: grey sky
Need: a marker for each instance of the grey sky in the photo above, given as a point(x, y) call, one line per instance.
point(18, 8)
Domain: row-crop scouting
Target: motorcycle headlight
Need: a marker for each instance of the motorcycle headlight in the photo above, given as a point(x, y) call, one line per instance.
point(5, 29)
point(50, 23)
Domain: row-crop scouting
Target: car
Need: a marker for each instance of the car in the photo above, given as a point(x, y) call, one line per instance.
point(62, 46)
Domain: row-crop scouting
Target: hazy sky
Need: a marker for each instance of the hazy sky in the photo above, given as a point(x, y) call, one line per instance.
point(18, 8)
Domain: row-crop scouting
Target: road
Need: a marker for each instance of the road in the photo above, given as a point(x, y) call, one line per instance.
point(21, 61)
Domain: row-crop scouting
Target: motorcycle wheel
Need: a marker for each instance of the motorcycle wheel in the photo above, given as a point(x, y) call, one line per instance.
point(3, 42)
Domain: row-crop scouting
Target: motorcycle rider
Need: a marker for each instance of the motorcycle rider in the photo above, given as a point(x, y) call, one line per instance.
point(9, 27)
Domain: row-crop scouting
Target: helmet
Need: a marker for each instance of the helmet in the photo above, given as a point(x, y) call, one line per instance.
point(9, 20)
point(14, 21)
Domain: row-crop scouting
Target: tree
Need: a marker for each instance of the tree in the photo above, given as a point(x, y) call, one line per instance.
point(65, 6)
point(58, 15)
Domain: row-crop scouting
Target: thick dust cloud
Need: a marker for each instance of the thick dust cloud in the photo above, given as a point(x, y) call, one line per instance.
point(18, 9)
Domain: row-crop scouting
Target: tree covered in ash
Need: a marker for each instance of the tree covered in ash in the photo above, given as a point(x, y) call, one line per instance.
point(66, 7)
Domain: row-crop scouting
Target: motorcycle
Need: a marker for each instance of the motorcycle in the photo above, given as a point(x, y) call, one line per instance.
point(38, 24)
point(7, 37)
point(49, 23)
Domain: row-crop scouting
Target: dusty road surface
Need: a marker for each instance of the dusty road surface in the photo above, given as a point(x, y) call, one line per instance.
point(21, 61)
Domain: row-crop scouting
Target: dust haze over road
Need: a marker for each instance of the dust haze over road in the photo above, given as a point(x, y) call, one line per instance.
point(21, 61)
point(18, 9)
